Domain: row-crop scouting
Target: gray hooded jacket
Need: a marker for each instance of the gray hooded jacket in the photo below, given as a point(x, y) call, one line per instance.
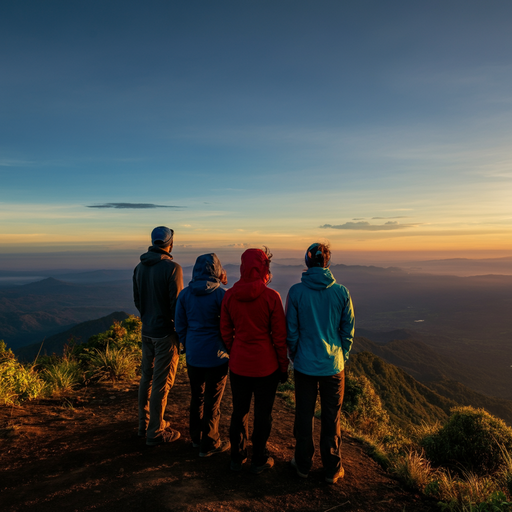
point(157, 282)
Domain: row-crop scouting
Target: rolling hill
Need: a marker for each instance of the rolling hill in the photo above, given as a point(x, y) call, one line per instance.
point(80, 332)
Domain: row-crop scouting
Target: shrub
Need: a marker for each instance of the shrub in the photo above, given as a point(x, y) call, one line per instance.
point(17, 382)
point(125, 334)
point(364, 407)
point(112, 364)
point(62, 375)
point(471, 438)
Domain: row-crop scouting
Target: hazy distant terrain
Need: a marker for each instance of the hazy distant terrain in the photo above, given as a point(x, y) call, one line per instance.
point(461, 266)
point(465, 318)
point(31, 312)
point(79, 333)
point(466, 322)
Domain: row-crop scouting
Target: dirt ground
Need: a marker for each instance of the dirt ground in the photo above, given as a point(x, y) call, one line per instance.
point(82, 453)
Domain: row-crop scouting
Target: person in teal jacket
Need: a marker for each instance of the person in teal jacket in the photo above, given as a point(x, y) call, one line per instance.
point(320, 331)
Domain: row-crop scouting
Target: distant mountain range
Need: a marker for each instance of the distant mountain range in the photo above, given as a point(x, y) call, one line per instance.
point(80, 333)
point(34, 311)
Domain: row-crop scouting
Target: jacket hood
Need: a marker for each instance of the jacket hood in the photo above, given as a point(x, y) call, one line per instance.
point(254, 275)
point(154, 256)
point(206, 274)
point(318, 278)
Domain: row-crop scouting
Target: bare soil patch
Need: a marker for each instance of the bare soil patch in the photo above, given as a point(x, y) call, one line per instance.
point(82, 453)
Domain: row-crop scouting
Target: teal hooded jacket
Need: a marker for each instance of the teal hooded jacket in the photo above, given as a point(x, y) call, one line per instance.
point(320, 323)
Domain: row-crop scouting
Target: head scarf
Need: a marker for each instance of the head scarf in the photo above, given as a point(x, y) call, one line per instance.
point(314, 257)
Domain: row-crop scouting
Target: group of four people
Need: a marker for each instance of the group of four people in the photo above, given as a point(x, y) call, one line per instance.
point(245, 329)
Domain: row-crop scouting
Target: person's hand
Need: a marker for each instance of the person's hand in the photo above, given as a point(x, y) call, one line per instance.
point(284, 377)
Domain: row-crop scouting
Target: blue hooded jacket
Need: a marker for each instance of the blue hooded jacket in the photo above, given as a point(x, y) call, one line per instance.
point(198, 314)
point(320, 323)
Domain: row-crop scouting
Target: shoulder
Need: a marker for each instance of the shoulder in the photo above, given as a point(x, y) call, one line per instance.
point(218, 294)
point(296, 288)
point(184, 294)
point(227, 294)
point(296, 291)
point(170, 267)
point(343, 289)
point(273, 297)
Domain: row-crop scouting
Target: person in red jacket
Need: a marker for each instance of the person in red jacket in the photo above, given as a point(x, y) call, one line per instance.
point(253, 328)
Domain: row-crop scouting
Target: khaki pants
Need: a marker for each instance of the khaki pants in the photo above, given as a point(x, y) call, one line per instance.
point(159, 364)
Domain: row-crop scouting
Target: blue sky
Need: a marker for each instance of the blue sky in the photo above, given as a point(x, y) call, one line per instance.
point(273, 123)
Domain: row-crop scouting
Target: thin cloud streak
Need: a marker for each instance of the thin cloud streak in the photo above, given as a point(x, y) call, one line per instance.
point(366, 226)
point(132, 206)
point(386, 218)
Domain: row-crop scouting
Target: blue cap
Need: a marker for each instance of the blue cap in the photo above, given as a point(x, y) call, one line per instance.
point(162, 236)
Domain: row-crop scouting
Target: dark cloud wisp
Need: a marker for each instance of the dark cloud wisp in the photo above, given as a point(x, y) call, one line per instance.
point(366, 226)
point(132, 206)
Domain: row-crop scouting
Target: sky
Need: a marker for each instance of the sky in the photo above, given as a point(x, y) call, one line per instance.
point(382, 127)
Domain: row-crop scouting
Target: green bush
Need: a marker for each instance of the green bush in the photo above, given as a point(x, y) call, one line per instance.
point(125, 334)
point(17, 382)
point(363, 407)
point(472, 438)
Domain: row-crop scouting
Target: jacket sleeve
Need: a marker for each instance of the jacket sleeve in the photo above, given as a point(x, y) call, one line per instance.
point(136, 295)
point(227, 329)
point(347, 327)
point(175, 287)
point(278, 332)
point(292, 326)
point(180, 320)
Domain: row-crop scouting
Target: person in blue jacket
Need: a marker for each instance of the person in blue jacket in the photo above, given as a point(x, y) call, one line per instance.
point(197, 324)
point(320, 326)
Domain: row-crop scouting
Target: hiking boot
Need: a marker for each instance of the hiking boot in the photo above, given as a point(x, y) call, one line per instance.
point(223, 446)
point(237, 466)
point(167, 436)
point(142, 431)
point(259, 469)
point(293, 464)
point(340, 474)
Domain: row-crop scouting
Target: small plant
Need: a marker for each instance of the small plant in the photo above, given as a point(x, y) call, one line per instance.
point(62, 375)
point(112, 364)
point(414, 470)
point(506, 474)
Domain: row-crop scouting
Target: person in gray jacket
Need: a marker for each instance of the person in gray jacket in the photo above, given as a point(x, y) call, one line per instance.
point(157, 282)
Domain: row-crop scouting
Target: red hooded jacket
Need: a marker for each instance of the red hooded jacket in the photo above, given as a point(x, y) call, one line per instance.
point(252, 321)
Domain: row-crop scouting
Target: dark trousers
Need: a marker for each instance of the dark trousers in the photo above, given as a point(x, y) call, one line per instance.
point(264, 389)
point(331, 390)
point(207, 387)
